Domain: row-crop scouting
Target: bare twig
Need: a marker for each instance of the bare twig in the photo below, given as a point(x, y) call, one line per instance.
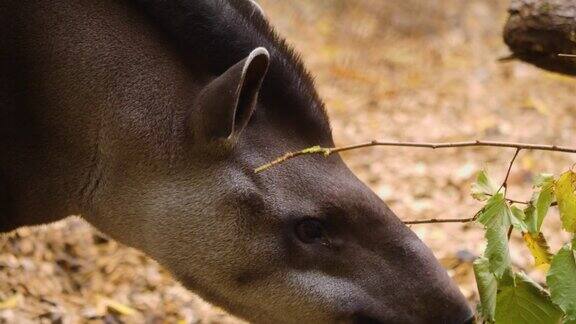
point(567, 55)
point(507, 58)
point(510, 165)
point(524, 146)
point(445, 220)
point(514, 201)
point(522, 202)
point(463, 220)
point(517, 201)
point(440, 220)
point(329, 151)
point(291, 155)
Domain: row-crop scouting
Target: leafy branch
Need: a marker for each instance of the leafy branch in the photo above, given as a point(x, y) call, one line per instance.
point(506, 296)
point(327, 151)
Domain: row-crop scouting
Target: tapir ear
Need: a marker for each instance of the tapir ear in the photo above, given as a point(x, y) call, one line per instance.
point(258, 7)
point(226, 104)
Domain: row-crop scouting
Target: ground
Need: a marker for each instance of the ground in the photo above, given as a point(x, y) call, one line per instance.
point(402, 70)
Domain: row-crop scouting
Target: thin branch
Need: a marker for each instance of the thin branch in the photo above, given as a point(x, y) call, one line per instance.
point(510, 165)
point(524, 202)
point(291, 155)
point(567, 55)
point(518, 201)
point(507, 58)
point(465, 220)
point(440, 220)
point(524, 146)
point(329, 151)
point(445, 220)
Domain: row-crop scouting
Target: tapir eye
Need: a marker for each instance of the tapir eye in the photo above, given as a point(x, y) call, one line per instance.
point(310, 230)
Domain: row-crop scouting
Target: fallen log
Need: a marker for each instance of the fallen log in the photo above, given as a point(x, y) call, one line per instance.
point(539, 31)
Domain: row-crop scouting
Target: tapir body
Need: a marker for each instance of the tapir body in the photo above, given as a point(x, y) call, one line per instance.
point(148, 118)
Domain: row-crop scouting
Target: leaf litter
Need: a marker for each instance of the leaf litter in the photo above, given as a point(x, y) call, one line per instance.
point(398, 70)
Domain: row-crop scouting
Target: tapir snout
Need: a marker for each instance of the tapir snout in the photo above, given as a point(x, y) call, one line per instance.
point(412, 286)
point(420, 292)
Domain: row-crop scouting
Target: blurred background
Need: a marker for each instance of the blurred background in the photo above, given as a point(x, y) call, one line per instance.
point(406, 70)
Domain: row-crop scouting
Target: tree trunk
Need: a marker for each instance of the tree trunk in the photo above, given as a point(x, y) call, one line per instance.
point(537, 31)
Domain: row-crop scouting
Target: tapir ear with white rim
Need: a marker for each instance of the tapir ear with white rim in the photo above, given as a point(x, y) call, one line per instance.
point(258, 7)
point(224, 107)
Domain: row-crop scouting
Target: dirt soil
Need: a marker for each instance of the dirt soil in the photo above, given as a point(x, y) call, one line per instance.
point(414, 70)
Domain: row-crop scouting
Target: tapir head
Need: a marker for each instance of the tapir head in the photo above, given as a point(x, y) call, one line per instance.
point(304, 242)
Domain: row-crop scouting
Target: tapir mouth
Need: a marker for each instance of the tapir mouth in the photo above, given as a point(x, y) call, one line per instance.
point(467, 317)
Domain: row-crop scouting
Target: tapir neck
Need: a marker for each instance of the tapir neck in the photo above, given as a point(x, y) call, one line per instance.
point(88, 90)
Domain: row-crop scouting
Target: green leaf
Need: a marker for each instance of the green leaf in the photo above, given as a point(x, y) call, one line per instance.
point(518, 218)
point(497, 217)
point(539, 248)
point(518, 213)
point(531, 218)
point(483, 188)
point(497, 250)
point(525, 302)
point(564, 188)
point(542, 179)
point(562, 280)
point(496, 213)
point(487, 286)
point(542, 202)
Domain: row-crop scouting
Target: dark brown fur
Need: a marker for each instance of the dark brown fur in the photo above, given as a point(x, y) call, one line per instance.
point(148, 117)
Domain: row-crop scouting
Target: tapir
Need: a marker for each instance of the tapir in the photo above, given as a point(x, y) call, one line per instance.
point(148, 119)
